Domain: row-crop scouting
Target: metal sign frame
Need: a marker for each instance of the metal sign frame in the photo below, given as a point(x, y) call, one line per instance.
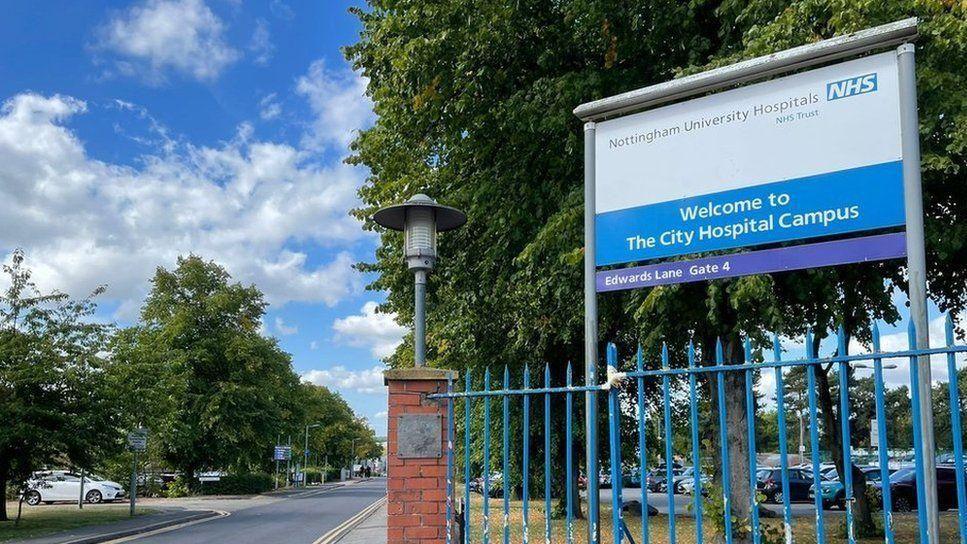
point(899, 33)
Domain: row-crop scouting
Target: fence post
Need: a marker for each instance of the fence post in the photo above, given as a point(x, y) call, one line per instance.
point(416, 455)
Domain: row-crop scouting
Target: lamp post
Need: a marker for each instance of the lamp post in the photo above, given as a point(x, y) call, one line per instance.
point(305, 454)
point(420, 218)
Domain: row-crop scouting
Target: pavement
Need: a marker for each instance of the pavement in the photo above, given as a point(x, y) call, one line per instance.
point(371, 530)
point(300, 516)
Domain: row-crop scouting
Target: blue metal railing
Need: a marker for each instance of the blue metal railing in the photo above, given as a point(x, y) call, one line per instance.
point(717, 375)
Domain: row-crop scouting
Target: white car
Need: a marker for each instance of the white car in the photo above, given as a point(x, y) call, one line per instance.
point(62, 485)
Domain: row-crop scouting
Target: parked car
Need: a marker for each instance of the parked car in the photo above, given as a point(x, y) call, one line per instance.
point(688, 485)
point(769, 483)
point(834, 492)
point(656, 478)
point(903, 489)
point(62, 485)
point(687, 474)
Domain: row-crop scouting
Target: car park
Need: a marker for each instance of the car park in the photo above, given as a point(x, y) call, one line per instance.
point(833, 491)
point(769, 483)
point(903, 489)
point(61, 485)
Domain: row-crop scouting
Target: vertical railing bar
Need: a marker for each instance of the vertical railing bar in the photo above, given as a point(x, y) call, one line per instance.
point(642, 451)
point(614, 433)
point(669, 472)
point(882, 449)
point(696, 456)
point(450, 476)
point(525, 488)
point(569, 456)
point(594, 508)
point(547, 456)
point(724, 444)
point(750, 428)
point(466, 463)
point(505, 478)
point(486, 461)
point(783, 446)
point(814, 440)
point(917, 434)
point(845, 433)
point(955, 427)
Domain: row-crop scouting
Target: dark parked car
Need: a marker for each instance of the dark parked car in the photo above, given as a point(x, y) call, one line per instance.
point(903, 489)
point(656, 479)
point(769, 483)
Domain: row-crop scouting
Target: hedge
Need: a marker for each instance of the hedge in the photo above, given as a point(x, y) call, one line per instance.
point(238, 484)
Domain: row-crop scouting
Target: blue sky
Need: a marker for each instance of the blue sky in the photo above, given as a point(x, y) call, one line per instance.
point(132, 132)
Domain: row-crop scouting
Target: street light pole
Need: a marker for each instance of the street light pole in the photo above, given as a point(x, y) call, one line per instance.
point(420, 218)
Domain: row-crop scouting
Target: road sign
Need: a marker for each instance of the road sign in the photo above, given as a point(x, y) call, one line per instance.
point(807, 155)
point(874, 434)
point(138, 439)
point(282, 453)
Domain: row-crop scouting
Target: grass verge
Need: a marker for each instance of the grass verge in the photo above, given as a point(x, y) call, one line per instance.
point(804, 529)
point(48, 519)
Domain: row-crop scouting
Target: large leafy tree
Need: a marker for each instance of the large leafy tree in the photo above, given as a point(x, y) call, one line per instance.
point(474, 101)
point(54, 402)
point(339, 435)
point(212, 390)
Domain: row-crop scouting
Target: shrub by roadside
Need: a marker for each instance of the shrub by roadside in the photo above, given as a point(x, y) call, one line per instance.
point(238, 484)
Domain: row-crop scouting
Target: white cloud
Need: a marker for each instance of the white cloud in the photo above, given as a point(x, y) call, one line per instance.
point(243, 203)
point(313, 345)
point(283, 329)
point(338, 101)
point(261, 45)
point(340, 378)
point(371, 329)
point(269, 108)
point(160, 35)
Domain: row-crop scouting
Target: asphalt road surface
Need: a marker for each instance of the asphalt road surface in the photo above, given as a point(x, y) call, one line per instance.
point(297, 519)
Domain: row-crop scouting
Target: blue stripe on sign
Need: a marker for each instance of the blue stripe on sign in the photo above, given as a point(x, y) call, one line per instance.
point(853, 250)
point(853, 200)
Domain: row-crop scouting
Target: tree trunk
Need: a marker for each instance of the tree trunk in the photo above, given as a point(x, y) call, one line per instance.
point(3, 487)
point(736, 418)
point(737, 437)
point(862, 509)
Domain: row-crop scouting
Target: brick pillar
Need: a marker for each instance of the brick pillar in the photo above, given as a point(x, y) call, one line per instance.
point(416, 468)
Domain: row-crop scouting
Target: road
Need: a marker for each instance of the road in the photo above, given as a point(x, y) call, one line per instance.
point(296, 519)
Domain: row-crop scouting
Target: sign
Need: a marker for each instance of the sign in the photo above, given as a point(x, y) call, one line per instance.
point(807, 155)
point(420, 436)
point(209, 476)
point(138, 439)
point(282, 453)
point(874, 434)
point(853, 250)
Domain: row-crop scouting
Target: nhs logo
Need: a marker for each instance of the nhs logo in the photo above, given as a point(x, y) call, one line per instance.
point(851, 87)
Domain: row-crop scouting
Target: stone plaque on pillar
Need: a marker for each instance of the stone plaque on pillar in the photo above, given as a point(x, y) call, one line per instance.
point(420, 436)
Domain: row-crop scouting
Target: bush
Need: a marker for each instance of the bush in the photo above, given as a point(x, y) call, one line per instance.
point(178, 488)
point(238, 484)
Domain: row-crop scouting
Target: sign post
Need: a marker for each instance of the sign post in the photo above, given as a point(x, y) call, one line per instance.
point(138, 442)
point(917, 271)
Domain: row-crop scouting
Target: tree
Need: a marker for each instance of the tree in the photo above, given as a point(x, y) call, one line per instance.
point(341, 436)
point(474, 102)
point(213, 391)
point(53, 399)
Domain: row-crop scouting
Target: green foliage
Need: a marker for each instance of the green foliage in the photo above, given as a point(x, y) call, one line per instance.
point(55, 404)
point(178, 488)
point(239, 484)
point(213, 391)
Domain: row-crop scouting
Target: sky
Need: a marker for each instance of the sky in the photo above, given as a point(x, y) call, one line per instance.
point(135, 132)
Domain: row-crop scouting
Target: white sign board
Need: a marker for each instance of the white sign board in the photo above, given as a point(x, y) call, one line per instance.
point(138, 439)
point(874, 434)
point(806, 155)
